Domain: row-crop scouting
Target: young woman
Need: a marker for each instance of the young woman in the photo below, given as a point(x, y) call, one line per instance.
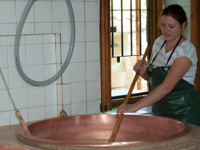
point(171, 72)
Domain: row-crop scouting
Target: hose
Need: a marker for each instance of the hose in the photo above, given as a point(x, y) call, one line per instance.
point(17, 42)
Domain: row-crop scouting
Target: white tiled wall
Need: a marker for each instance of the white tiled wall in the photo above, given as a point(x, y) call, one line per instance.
point(45, 37)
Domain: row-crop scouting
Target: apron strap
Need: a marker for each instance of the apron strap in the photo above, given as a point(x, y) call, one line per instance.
point(174, 49)
point(171, 52)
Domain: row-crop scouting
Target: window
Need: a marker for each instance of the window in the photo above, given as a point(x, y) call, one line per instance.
point(129, 28)
point(155, 8)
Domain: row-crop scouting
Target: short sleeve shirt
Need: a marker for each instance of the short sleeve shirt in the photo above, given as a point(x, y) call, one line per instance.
point(185, 49)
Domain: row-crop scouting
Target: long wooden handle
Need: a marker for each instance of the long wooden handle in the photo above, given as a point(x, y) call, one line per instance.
point(22, 122)
point(119, 119)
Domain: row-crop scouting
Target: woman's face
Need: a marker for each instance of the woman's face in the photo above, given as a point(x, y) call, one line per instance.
point(170, 28)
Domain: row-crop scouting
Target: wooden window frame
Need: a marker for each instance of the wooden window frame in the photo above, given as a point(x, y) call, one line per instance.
point(195, 35)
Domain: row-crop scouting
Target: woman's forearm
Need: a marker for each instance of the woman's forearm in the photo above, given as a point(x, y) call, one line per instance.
point(155, 95)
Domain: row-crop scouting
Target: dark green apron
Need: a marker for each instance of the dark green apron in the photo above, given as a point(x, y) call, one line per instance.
point(182, 103)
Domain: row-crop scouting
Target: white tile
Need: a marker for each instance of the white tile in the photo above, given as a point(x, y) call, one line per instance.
point(3, 41)
point(66, 94)
point(92, 71)
point(92, 31)
point(5, 74)
point(58, 53)
point(15, 119)
point(59, 11)
point(65, 32)
point(78, 92)
point(91, 0)
point(64, 53)
point(51, 111)
point(15, 81)
point(79, 13)
point(51, 95)
point(187, 10)
point(11, 61)
point(58, 38)
point(66, 75)
point(29, 28)
point(5, 118)
point(78, 0)
point(59, 108)
point(8, 8)
point(93, 90)
point(36, 96)
point(91, 11)
point(20, 98)
point(93, 107)
point(78, 52)
point(20, 5)
point(43, 11)
point(183, 2)
point(37, 113)
point(80, 31)
point(79, 108)
point(49, 54)
point(77, 72)
point(49, 38)
point(49, 71)
point(34, 39)
point(92, 51)
point(36, 73)
point(56, 27)
point(4, 99)
point(34, 54)
point(68, 109)
point(8, 29)
point(59, 94)
point(3, 56)
point(41, 28)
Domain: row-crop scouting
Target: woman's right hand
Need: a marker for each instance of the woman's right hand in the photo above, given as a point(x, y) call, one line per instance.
point(141, 66)
point(124, 108)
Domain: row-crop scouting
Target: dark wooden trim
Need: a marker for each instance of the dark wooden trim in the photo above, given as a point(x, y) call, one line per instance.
point(195, 35)
point(105, 60)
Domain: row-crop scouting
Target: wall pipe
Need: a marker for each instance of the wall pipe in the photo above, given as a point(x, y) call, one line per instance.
point(17, 41)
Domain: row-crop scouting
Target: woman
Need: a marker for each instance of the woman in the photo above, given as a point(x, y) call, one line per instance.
point(171, 73)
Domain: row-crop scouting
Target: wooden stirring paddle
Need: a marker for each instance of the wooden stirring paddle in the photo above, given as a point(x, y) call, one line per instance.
point(119, 119)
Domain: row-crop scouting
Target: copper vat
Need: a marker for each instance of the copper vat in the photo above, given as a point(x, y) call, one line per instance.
point(93, 131)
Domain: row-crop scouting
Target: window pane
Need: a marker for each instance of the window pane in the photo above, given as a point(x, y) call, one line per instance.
point(143, 4)
point(130, 36)
point(126, 33)
point(122, 76)
point(117, 4)
point(133, 5)
point(136, 32)
point(117, 34)
point(126, 4)
point(143, 30)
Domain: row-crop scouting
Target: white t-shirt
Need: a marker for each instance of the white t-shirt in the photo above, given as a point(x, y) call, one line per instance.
point(186, 48)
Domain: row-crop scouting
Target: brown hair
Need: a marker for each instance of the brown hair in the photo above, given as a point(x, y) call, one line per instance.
point(177, 12)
